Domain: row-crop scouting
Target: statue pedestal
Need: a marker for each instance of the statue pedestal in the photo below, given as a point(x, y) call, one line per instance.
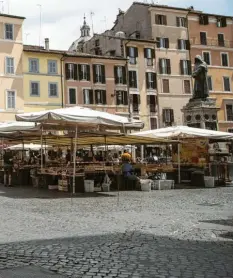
point(201, 114)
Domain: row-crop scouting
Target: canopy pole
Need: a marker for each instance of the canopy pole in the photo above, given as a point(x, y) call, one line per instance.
point(179, 176)
point(23, 151)
point(74, 157)
point(41, 150)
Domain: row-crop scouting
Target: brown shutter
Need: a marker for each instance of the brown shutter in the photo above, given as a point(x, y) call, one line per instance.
point(172, 115)
point(118, 98)
point(91, 96)
point(130, 79)
point(168, 66)
point(152, 53)
point(96, 96)
point(67, 71)
point(154, 76)
point(75, 72)
point(94, 73)
point(135, 79)
point(189, 67)
point(179, 44)
point(135, 52)
point(187, 45)
point(103, 74)
point(125, 97)
point(165, 20)
point(88, 73)
point(158, 42)
point(156, 19)
point(166, 42)
point(79, 73)
point(164, 115)
point(181, 67)
point(145, 53)
point(104, 96)
point(166, 86)
point(115, 74)
point(147, 80)
point(127, 51)
point(201, 20)
point(160, 66)
point(124, 74)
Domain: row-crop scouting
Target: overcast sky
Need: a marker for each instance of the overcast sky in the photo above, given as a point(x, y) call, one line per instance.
point(61, 19)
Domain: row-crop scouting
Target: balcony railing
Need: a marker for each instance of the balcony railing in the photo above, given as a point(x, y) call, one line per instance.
point(212, 42)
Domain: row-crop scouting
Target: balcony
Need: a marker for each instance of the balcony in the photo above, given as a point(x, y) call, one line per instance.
point(211, 42)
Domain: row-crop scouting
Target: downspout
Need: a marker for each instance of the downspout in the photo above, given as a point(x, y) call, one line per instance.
point(156, 71)
point(189, 47)
point(62, 81)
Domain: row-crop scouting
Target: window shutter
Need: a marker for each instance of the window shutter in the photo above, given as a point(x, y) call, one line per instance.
point(189, 67)
point(187, 44)
point(147, 80)
point(115, 74)
point(75, 72)
point(125, 96)
point(224, 22)
point(156, 19)
point(104, 97)
point(94, 73)
point(124, 74)
point(206, 20)
point(79, 72)
point(117, 98)
point(158, 42)
point(67, 71)
point(166, 86)
point(138, 99)
point(168, 66)
point(127, 51)
point(154, 76)
point(130, 79)
point(160, 66)
point(166, 43)
point(88, 73)
point(172, 115)
point(96, 96)
point(165, 19)
point(177, 21)
point(84, 98)
point(135, 52)
point(152, 53)
point(135, 78)
point(179, 44)
point(201, 20)
point(91, 96)
point(181, 67)
point(164, 115)
point(103, 74)
point(148, 100)
point(145, 53)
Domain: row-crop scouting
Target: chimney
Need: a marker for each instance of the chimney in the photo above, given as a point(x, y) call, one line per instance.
point(46, 43)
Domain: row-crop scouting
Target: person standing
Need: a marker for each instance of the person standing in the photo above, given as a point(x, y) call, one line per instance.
point(8, 167)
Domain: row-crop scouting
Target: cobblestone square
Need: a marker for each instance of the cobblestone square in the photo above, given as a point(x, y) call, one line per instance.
point(177, 233)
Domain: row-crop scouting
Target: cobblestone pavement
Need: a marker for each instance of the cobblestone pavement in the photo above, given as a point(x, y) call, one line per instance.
point(178, 233)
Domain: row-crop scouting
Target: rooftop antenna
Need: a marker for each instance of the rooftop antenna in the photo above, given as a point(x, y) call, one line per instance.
point(105, 22)
point(39, 5)
point(92, 25)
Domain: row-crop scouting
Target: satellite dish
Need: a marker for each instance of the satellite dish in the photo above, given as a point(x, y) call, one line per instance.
point(120, 34)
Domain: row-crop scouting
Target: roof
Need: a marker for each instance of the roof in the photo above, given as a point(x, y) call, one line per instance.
point(12, 16)
point(42, 50)
point(178, 8)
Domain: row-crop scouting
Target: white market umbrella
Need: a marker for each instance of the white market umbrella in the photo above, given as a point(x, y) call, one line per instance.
point(33, 147)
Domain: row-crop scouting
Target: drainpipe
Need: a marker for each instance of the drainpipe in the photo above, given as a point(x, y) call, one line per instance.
point(189, 47)
point(62, 80)
point(156, 71)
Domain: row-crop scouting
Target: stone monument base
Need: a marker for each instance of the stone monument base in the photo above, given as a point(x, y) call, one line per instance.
point(201, 114)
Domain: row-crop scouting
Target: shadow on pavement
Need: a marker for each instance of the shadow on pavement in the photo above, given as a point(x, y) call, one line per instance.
point(130, 254)
point(34, 193)
point(223, 222)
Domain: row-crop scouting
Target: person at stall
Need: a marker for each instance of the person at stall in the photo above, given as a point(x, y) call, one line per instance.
point(125, 156)
point(8, 167)
point(43, 158)
point(68, 156)
point(128, 173)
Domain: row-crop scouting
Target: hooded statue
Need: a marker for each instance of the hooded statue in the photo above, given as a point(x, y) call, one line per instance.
point(201, 90)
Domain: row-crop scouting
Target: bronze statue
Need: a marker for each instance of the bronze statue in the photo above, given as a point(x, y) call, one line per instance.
point(201, 90)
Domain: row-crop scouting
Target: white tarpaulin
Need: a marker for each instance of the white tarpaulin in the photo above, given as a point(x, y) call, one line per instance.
point(79, 115)
point(33, 147)
point(179, 132)
point(15, 126)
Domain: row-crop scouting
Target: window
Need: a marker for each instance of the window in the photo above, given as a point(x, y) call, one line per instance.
point(151, 80)
point(72, 96)
point(181, 22)
point(121, 98)
point(164, 66)
point(35, 89)
point(100, 97)
point(52, 67)
point(88, 96)
point(132, 54)
point(187, 87)
point(97, 42)
point(204, 19)
point(151, 102)
point(120, 74)
point(229, 112)
point(53, 90)
point(210, 84)
point(84, 72)
point(224, 57)
point(168, 116)
point(133, 79)
point(230, 130)
point(11, 99)
point(162, 42)
point(9, 31)
point(153, 123)
point(206, 57)
point(221, 22)
point(149, 54)
point(185, 67)
point(221, 41)
point(226, 84)
point(183, 44)
point(166, 88)
point(34, 65)
point(71, 71)
point(135, 102)
point(160, 19)
point(203, 38)
point(10, 68)
point(99, 74)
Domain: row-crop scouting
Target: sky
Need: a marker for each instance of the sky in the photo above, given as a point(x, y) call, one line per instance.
point(61, 19)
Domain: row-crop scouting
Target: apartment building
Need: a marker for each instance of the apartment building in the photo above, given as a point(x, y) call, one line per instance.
point(42, 78)
point(211, 36)
point(11, 72)
point(97, 82)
